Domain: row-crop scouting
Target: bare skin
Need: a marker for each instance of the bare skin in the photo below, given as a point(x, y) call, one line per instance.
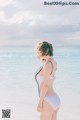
point(46, 88)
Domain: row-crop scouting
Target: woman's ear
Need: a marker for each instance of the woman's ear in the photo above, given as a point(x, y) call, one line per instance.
point(43, 59)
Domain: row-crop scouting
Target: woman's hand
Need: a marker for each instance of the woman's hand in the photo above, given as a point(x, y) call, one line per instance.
point(39, 107)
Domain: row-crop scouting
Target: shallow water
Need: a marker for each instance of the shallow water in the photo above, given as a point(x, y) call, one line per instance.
point(18, 89)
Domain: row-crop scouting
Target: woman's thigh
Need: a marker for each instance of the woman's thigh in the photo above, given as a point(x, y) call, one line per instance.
point(54, 115)
point(47, 112)
point(47, 107)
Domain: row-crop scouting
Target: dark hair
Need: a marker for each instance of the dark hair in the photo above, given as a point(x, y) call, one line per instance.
point(45, 48)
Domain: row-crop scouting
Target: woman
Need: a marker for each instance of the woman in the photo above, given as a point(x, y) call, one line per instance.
point(49, 101)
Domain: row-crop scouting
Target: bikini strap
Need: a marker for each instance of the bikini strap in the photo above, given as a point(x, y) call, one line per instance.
point(36, 79)
point(52, 67)
point(38, 71)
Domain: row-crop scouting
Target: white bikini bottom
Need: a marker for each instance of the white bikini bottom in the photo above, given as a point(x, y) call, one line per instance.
point(54, 101)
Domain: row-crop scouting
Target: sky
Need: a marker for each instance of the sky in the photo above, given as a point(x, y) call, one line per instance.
point(26, 22)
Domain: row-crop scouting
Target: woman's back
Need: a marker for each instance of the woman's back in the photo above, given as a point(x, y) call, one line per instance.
point(40, 77)
point(52, 78)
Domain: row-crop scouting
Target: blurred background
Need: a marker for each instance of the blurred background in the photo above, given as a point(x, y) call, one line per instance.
point(23, 24)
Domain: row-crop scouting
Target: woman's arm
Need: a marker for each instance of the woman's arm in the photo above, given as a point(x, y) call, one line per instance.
point(46, 82)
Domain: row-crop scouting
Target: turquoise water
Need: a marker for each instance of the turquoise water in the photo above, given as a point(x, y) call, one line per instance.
point(18, 89)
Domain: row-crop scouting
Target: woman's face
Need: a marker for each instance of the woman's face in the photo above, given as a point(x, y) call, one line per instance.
point(40, 57)
point(39, 54)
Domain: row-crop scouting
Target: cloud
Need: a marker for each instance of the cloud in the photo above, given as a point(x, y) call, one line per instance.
point(31, 20)
point(2, 16)
point(4, 3)
point(23, 16)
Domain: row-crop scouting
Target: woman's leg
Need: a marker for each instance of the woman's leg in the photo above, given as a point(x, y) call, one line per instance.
point(47, 112)
point(54, 115)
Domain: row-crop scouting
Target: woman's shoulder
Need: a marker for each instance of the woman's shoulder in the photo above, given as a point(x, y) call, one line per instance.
point(47, 66)
point(50, 66)
point(50, 63)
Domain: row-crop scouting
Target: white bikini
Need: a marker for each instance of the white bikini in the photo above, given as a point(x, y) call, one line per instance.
point(53, 100)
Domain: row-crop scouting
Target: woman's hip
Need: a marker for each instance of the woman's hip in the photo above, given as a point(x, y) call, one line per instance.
point(54, 101)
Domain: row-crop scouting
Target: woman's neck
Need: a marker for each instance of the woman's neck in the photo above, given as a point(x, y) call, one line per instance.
point(47, 58)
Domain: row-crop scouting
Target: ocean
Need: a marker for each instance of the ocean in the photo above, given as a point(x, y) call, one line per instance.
point(18, 88)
